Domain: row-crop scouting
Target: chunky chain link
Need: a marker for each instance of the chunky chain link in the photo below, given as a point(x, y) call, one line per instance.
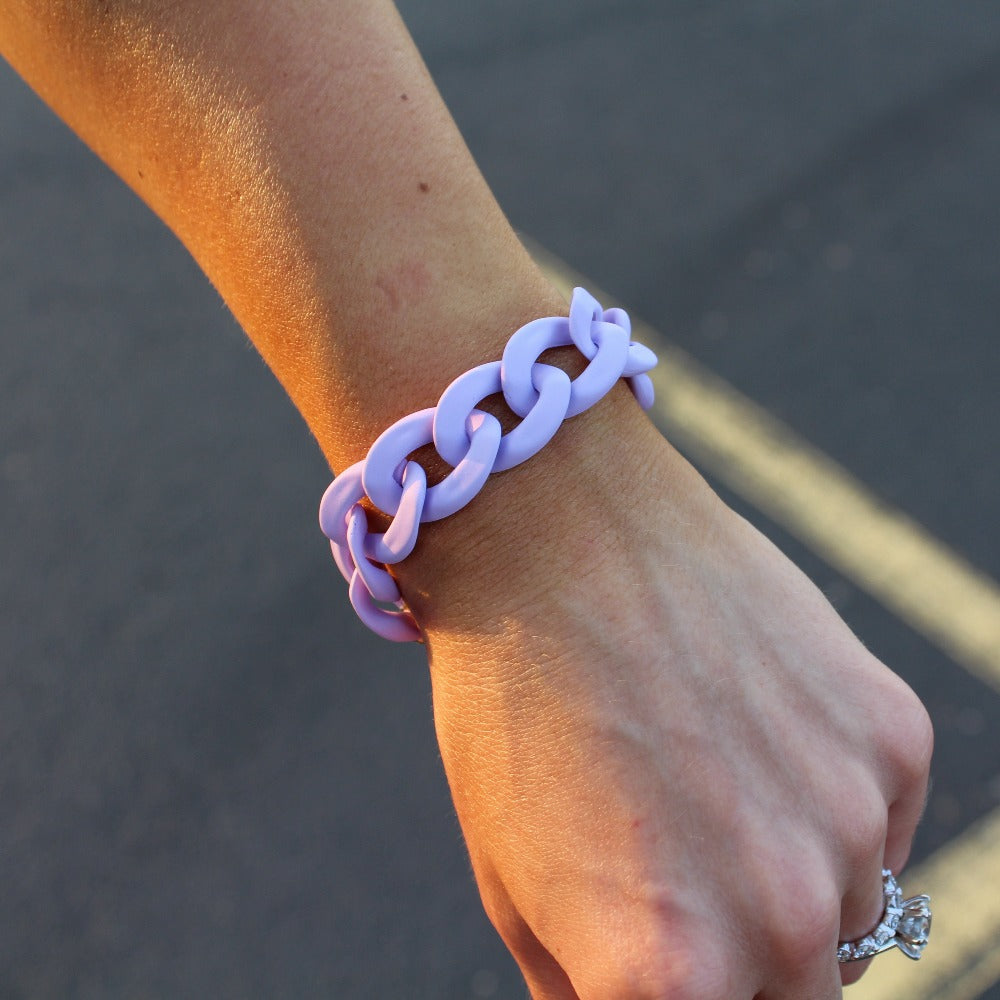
point(471, 441)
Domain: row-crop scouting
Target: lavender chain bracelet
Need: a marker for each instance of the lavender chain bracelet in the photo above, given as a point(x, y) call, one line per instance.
point(471, 441)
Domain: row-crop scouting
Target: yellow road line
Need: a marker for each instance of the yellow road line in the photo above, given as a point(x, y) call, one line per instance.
point(880, 549)
point(963, 958)
point(976, 980)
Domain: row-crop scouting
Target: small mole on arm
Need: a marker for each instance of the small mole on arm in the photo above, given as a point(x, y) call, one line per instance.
point(403, 97)
point(425, 187)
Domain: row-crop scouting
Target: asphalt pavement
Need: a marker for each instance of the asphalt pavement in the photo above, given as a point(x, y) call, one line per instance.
point(213, 781)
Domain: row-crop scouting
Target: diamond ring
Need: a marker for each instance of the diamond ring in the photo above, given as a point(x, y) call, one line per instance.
point(905, 924)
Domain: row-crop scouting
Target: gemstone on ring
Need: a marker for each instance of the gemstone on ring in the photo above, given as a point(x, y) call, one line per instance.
point(905, 924)
point(915, 927)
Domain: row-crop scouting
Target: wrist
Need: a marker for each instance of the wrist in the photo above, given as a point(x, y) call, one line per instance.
point(418, 328)
point(607, 484)
point(570, 508)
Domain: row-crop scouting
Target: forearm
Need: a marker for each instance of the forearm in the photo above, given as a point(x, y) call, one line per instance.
point(304, 157)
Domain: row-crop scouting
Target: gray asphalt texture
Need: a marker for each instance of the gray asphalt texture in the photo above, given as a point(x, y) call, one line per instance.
point(213, 782)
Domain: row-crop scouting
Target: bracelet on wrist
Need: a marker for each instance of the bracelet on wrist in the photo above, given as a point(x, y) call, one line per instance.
point(471, 441)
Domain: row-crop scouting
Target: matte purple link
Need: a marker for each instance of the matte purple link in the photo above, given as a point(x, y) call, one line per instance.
point(376, 579)
point(605, 368)
point(640, 359)
point(472, 442)
point(643, 390)
point(468, 477)
point(605, 342)
point(620, 318)
point(451, 437)
point(584, 310)
point(396, 626)
point(520, 355)
point(344, 560)
point(340, 496)
point(538, 428)
point(457, 488)
point(347, 491)
point(401, 536)
point(388, 452)
point(449, 429)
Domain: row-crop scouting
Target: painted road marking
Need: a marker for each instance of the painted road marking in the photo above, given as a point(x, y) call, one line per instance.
point(896, 561)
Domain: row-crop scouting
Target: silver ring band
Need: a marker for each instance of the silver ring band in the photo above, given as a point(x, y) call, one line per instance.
point(905, 924)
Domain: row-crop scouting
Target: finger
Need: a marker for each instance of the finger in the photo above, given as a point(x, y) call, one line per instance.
point(813, 975)
point(851, 972)
point(863, 903)
point(861, 912)
point(802, 954)
point(909, 760)
point(905, 815)
point(907, 768)
point(821, 983)
point(903, 819)
point(902, 822)
point(854, 929)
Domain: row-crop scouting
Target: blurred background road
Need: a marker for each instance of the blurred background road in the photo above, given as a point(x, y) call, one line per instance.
point(213, 782)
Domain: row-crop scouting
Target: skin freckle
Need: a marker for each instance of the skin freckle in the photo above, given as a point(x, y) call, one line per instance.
point(425, 187)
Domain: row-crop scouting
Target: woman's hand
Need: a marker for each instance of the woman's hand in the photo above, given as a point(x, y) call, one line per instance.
point(678, 772)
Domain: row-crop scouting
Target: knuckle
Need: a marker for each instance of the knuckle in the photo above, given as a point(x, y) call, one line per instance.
point(806, 927)
point(913, 745)
point(865, 836)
